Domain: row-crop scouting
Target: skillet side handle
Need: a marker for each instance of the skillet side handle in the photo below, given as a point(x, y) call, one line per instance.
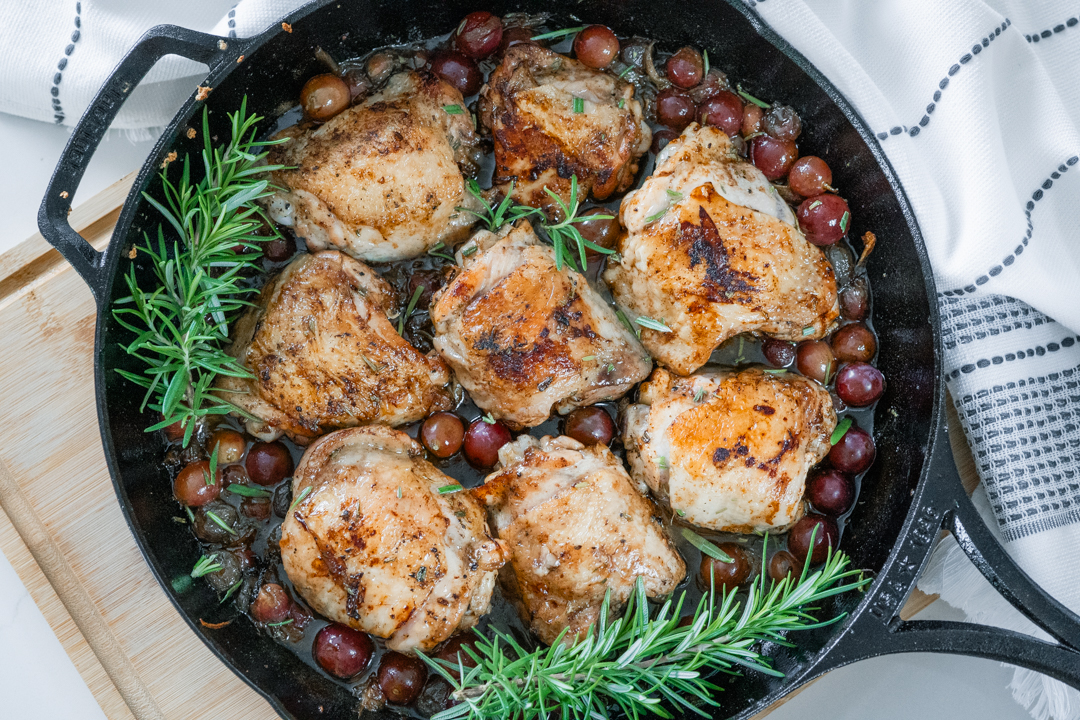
point(876, 628)
point(52, 216)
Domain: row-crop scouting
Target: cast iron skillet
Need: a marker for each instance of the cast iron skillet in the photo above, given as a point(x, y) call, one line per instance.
point(910, 494)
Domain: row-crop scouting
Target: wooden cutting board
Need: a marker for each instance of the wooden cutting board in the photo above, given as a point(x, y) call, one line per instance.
point(60, 525)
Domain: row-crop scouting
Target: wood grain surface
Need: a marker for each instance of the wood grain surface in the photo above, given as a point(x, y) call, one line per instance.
point(60, 525)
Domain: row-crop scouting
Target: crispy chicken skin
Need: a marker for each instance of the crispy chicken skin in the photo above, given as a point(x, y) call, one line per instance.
point(576, 528)
point(528, 106)
point(730, 451)
point(524, 337)
point(376, 547)
point(381, 180)
point(712, 251)
point(324, 356)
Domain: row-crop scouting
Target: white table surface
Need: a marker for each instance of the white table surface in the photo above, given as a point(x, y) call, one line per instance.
point(38, 681)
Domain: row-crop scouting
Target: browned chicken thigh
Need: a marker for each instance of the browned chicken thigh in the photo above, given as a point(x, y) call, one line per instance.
point(373, 544)
point(325, 356)
point(524, 337)
point(552, 117)
point(382, 180)
point(712, 251)
point(577, 529)
point(729, 451)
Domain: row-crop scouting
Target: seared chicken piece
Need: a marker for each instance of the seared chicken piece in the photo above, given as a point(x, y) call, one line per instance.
point(577, 528)
point(372, 543)
point(381, 180)
point(523, 336)
point(729, 451)
point(712, 251)
point(324, 356)
point(552, 118)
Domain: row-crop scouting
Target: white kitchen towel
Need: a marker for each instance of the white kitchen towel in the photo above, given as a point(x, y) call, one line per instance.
point(974, 103)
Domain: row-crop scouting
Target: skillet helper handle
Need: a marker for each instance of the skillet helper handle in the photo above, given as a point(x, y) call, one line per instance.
point(53, 215)
point(878, 629)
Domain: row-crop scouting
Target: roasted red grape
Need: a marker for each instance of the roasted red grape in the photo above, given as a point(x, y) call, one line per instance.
point(783, 564)
point(782, 123)
point(859, 384)
point(599, 232)
point(342, 651)
point(272, 604)
point(855, 300)
point(825, 537)
point(324, 96)
point(809, 176)
point(280, 248)
point(854, 343)
point(596, 46)
point(729, 575)
point(661, 138)
point(830, 492)
point(516, 35)
point(724, 110)
point(674, 109)
point(590, 426)
point(479, 34)
point(175, 432)
point(773, 157)
point(401, 677)
point(824, 218)
point(482, 442)
point(685, 68)
point(459, 70)
point(230, 446)
point(779, 353)
point(442, 434)
point(452, 649)
point(814, 359)
point(257, 508)
point(854, 452)
point(193, 486)
point(268, 463)
point(358, 82)
point(751, 119)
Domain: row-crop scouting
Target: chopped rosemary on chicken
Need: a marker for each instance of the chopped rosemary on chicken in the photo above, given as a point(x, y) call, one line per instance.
point(657, 325)
point(181, 324)
point(642, 661)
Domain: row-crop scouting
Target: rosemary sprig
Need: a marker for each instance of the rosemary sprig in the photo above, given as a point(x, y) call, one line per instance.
point(181, 322)
point(563, 235)
point(409, 310)
point(642, 661)
point(207, 564)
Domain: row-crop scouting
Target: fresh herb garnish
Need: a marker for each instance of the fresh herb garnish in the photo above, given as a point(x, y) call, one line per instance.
point(699, 395)
point(840, 431)
point(279, 624)
point(181, 325)
point(657, 325)
point(642, 659)
point(219, 522)
point(409, 310)
point(808, 330)
point(661, 462)
point(437, 249)
point(448, 489)
point(398, 492)
point(248, 491)
point(657, 216)
point(680, 513)
point(377, 369)
point(488, 418)
point(750, 98)
point(844, 220)
point(497, 216)
point(232, 589)
point(579, 105)
point(297, 501)
point(558, 33)
point(705, 60)
point(775, 371)
point(207, 564)
point(468, 251)
point(629, 325)
point(814, 204)
point(622, 74)
point(589, 357)
point(705, 546)
point(453, 109)
point(562, 234)
point(622, 103)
